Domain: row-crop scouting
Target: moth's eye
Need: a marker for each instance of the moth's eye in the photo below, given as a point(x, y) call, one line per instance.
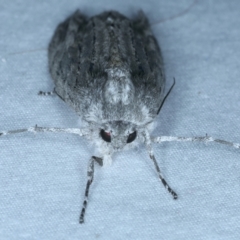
point(106, 136)
point(131, 137)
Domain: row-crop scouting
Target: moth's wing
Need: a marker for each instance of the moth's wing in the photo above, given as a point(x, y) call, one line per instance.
point(149, 75)
point(80, 56)
point(63, 53)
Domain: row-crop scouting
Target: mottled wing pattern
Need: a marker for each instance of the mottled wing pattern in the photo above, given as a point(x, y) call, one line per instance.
point(110, 63)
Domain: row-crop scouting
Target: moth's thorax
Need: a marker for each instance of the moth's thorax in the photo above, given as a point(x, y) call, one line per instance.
point(118, 87)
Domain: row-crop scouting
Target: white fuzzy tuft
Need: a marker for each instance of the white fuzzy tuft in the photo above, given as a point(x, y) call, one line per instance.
point(119, 87)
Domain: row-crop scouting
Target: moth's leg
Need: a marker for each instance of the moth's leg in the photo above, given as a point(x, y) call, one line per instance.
point(165, 184)
point(90, 174)
point(98, 160)
point(41, 93)
point(36, 129)
point(205, 139)
point(150, 151)
point(52, 93)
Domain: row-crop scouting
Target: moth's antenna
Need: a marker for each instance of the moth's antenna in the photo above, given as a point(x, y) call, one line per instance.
point(176, 15)
point(205, 139)
point(36, 129)
point(166, 96)
point(90, 174)
point(150, 151)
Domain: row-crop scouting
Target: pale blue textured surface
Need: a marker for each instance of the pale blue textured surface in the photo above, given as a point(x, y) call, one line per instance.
point(43, 177)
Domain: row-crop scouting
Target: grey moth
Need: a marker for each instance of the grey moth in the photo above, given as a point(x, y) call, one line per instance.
point(109, 69)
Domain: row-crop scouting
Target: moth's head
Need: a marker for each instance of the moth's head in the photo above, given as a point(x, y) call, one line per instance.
point(118, 134)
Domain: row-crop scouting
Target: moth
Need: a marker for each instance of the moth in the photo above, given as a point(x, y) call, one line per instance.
point(109, 69)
